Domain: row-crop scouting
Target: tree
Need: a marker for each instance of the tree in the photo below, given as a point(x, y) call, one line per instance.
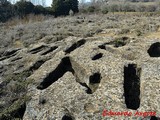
point(74, 5)
point(62, 7)
point(23, 8)
point(57, 6)
point(6, 10)
point(38, 9)
point(3, 2)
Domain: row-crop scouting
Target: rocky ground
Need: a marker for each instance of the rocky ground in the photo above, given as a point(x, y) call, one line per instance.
point(77, 67)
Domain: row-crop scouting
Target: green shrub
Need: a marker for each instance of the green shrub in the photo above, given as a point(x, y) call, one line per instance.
point(104, 10)
point(138, 33)
point(91, 9)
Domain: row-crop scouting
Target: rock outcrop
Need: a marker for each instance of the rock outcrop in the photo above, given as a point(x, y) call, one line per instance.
point(79, 79)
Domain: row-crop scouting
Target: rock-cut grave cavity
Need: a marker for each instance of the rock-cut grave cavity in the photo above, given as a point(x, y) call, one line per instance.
point(132, 86)
point(37, 65)
point(19, 113)
point(97, 56)
point(61, 69)
point(49, 50)
point(67, 117)
point(37, 49)
point(9, 54)
point(75, 46)
point(154, 50)
point(118, 42)
point(94, 81)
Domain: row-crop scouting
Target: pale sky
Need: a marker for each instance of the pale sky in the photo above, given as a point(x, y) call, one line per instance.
point(48, 2)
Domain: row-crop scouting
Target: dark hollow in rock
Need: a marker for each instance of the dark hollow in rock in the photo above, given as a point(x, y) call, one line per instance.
point(16, 59)
point(98, 31)
point(62, 68)
point(102, 46)
point(88, 90)
point(19, 112)
point(6, 57)
point(98, 56)
point(154, 50)
point(11, 52)
point(3, 58)
point(124, 38)
point(37, 65)
point(94, 81)
point(107, 48)
point(75, 46)
point(38, 49)
point(119, 42)
point(50, 50)
point(3, 85)
point(1, 52)
point(154, 118)
point(132, 86)
point(1, 67)
point(95, 78)
point(42, 101)
point(67, 117)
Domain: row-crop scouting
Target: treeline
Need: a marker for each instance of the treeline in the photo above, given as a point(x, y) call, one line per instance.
point(22, 8)
point(63, 7)
point(121, 7)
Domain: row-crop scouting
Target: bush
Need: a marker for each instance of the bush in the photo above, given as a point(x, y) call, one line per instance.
point(124, 7)
point(151, 8)
point(128, 8)
point(91, 9)
point(104, 10)
point(113, 8)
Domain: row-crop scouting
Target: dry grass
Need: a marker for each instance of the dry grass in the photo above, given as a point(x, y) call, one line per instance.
point(153, 35)
point(26, 20)
point(33, 29)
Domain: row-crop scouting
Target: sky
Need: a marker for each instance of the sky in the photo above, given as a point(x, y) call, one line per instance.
point(48, 2)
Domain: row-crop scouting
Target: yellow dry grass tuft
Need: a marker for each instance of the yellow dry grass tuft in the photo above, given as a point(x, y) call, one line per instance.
point(18, 44)
point(154, 35)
